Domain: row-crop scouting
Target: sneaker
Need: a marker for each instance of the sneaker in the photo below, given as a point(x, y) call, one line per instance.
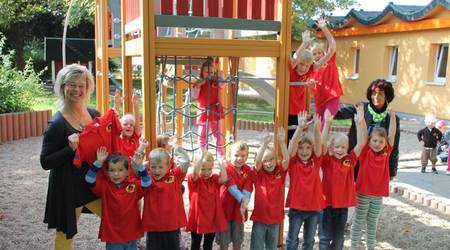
point(447, 172)
point(423, 170)
point(434, 170)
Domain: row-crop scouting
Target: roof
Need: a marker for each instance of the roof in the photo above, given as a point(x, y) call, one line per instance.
point(403, 12)
point(77, 49)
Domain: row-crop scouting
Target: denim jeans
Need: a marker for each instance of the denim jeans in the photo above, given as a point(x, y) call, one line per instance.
point(296, 219)
point(264, 236)
point(331, 228)
point(129, 245)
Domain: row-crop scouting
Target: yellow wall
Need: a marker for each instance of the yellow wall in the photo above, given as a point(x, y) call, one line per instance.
point(415, 66)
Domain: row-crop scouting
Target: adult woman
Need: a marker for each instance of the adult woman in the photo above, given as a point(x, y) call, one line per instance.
point(379, 93)
point(67, 195)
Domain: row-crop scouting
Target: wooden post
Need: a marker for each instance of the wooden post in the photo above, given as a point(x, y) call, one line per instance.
point(127, 70)
point(178, 104)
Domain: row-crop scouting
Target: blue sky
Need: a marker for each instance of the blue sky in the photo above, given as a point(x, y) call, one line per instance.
point(377, 5)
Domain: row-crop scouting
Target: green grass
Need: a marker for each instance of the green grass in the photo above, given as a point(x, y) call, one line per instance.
point(46, 102)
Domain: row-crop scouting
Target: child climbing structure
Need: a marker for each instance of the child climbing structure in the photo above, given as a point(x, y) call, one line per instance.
point(165, 33)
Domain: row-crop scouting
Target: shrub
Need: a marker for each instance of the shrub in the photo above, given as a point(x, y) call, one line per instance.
point(18, 88)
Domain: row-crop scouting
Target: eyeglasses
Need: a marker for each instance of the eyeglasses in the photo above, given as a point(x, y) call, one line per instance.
point(74, 86)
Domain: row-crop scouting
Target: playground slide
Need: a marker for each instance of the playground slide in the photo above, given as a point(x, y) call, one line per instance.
point(264, 88)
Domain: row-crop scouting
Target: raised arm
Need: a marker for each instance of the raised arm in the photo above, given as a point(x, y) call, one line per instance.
point(259, 156)
point(331, 43)
point(181, 158)
point(284, 150)
point(306, 42)
point(117, 100)
point(137, 115)
point(317, 136)
point(361, 130)
point(138, 165)
point(91, 175)
point(223, 172)
point(198, 165)
point(293, 144)
point(328, 118)
point(392, 126)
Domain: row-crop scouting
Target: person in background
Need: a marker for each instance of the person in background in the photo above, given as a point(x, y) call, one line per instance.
point(429, 137)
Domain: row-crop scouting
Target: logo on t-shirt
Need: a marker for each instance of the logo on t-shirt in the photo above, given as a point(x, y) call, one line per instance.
point(245, 175)
point(109, 127)
point(346, 163)
point(130, 188)
point(170, 179)
point(278, 175)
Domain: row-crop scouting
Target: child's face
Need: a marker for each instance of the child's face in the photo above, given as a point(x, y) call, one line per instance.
point(317, 54)
point(430, 125)
point(340, 148)
point(303, 67)
point(206, 170)
point(377, 143)
point(304, 151)
point(269, 161)
point(239, 158)
point(159, 169)
point(208, 71)
point(117, 172)
point(127, 128)
point(168, 147)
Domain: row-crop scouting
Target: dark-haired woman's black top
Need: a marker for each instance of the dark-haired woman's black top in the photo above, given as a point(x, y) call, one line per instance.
point(349, 112)
point(67, 189)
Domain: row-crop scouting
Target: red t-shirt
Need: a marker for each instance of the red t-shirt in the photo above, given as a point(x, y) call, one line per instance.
point(163, 203)
point(327, 84)
point(121, 218)
point(205, 211)
point(243, 181)
point(338, 180)
point(373, 175)
point(269, 196)
point(215, 107)
point(297, 95)
point(102, 131)
point(305, 188)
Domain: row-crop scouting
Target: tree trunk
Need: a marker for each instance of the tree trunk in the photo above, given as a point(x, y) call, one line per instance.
point(17, 40)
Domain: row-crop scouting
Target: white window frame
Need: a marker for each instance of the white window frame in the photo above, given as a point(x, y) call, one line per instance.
point(393, 58)
point(439, 62)
point(356, 60)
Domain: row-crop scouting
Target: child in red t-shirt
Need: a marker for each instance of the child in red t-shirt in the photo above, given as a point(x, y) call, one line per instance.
point(235, 196)
point(120, 225)
point(207, 92)
point(206, 215)
point(338, 182)
point(372, 182)
point(164, 213)
point(327, 90)
point(305, 198)
point(269, 178)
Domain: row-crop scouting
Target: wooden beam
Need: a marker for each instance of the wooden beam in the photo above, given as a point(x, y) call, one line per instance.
point(216, 47)
point(178, 88)
point(102, 78)
point(133, 47)
point(127, 74)
point(114, 52)
point(427, 24)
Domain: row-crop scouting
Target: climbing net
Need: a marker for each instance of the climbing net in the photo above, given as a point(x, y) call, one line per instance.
point(185, 71)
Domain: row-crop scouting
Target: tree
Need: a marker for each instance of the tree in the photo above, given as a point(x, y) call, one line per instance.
point(304, 10)
point(23, 21)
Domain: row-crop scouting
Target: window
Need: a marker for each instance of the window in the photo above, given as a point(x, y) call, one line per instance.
point(440, 70)
point(356, 63)
point(392, 76)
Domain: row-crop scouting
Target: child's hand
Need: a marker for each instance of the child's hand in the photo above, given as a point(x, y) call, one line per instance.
point(310, 82)
point(391, 112)
point(102, 154)
point(117, 98)
point(316, 119)
point(143, 144)
point(359, 117)
point(137, 160)
point(306, 36)
point(281, 134)
point(328, 118)
point(172, 141)
point(135, 99)
point(74, 140)
point(267, 138)
point(321, 22)
point(302, 118)
point(244, 206)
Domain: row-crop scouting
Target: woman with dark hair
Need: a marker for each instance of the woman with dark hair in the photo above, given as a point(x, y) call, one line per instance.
point(379, 93)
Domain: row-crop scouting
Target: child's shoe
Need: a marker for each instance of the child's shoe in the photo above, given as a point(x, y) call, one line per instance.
point(423, 170)
point(447, 172)
point(434, 170)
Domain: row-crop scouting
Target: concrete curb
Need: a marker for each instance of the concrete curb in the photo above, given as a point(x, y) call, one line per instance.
point(421, 199)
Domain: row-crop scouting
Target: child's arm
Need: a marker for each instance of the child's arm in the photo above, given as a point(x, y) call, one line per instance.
point(306, 42)
point(259, 156)
point(328, 118)
point(137, 115)
point(361, 130)
point(117, 100)
point(91, 175)
point(181, 158)
point(317, 136)
point(223, 173)
point(331, 43)
point(293, 144)
point(392, 126)
point(138, 166)
point(284, 150)
point(198, 165)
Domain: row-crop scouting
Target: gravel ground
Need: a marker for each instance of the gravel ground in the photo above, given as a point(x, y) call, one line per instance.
point(23, 185)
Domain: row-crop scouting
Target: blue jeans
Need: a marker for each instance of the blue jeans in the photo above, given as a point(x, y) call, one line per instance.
point(296, 219)
point(129, 245)
point(331, 229)
point(264, 234)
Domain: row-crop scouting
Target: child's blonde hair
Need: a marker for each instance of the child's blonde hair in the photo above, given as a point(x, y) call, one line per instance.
point(209, 158)
point(162, 140)
point(430, 119)
point(340, 137)
point(240, 146)
point(306, 56)
point(159, 156)
point(381, 132)
point(128, 117)
point(307, 138)
point(317, 45)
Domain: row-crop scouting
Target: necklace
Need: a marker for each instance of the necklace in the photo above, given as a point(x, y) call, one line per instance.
point(79, 121)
